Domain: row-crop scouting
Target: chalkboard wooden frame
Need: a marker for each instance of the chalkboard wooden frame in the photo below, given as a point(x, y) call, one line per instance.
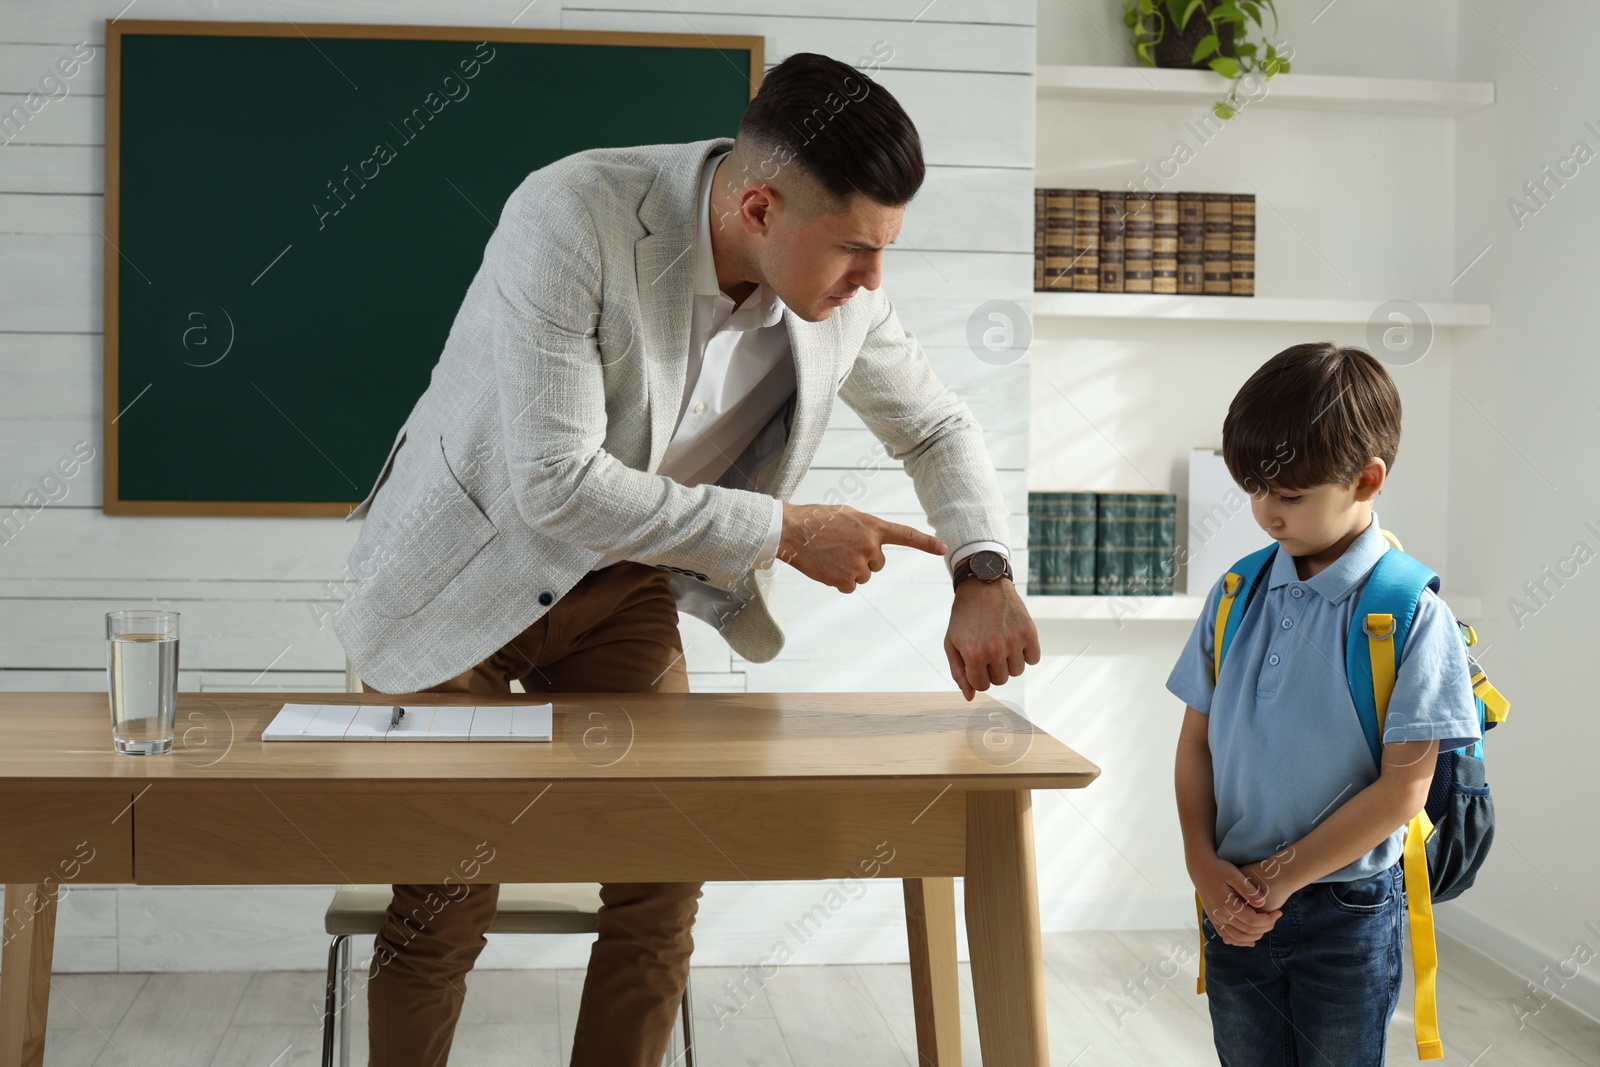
point(116, 29)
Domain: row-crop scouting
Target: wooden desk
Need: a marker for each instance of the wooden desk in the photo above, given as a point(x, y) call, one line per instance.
point(635, 787)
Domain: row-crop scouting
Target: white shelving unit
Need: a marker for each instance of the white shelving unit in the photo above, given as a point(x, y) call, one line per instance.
point(1173, 608)
point(1441, 101)
point(1236, 309)
point(1115, 608)
point(1146, 85)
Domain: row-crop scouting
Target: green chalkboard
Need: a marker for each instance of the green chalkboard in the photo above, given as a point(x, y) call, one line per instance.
point(293, 214)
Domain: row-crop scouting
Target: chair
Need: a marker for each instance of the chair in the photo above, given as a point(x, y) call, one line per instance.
point(521, 909)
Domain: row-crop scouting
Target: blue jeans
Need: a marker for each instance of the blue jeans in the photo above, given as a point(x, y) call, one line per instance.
point(1319, 988)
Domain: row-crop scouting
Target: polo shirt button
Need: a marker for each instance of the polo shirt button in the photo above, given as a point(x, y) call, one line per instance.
point(1287, 624)
point(1273, 659)
point(1296, 592)
point(546, 597)
point(698, 408)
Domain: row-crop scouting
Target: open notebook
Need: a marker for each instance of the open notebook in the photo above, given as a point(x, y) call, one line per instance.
point(421, 722)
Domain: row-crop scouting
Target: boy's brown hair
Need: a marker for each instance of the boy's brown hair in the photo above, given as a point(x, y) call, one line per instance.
point(1312, 415)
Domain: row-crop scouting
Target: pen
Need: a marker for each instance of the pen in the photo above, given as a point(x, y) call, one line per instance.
point(394, 719)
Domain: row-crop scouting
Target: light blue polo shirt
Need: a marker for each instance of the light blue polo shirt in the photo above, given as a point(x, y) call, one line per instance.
point(1286, 742)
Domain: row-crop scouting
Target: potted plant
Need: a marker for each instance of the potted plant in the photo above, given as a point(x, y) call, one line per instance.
point(1197, 34)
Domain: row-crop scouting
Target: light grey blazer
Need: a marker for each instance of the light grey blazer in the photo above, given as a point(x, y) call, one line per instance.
point(529, 456)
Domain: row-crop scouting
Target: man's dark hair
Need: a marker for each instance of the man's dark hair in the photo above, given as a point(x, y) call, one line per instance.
point(1314, 414)
point(839, 127)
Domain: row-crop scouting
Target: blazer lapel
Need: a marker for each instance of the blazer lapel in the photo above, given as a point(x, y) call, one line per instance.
point(665, 265)
point(664, 269)
point(814, 387)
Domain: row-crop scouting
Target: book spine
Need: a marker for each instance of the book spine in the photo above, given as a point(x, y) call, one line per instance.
point(1084, 525)
point(1164, 244)
point(1139, 557)
point(1035, 543)
point(1058, 569)
point(1166, 529)
point(1065, 525)
point(1039, 208)
point(1060, 235)
point(1086, 275)
point(1218, 244)
point(1244, 245)
point(1139, 245)
point(1110, 544)
point(1191, 242)
point(1113, 225)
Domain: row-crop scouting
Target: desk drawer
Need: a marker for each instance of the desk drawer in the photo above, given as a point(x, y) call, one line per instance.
point(278, 837)
point(66, 837)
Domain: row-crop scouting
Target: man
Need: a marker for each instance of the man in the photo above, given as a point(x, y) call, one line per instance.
point(639, 375)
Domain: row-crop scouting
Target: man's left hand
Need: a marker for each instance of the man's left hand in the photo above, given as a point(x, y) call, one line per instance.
point(991, 635)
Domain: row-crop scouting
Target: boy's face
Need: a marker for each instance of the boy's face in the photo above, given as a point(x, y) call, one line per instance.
point(1308, 521)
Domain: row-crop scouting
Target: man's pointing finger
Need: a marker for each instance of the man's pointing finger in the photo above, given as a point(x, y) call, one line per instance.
point(896, 534)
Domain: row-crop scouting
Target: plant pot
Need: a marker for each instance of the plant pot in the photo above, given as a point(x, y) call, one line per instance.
point(1176, 50)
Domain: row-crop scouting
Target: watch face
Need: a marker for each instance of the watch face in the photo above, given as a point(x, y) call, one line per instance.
point(988, 565)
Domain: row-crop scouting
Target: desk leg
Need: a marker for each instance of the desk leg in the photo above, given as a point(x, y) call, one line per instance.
point(25, 973)
point(1002, 897)
point(935, 985)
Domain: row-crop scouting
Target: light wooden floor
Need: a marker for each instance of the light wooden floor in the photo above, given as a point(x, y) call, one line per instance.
point(801, 1017)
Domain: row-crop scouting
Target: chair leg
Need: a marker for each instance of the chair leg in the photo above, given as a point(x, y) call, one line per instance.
point(344, 999)
point(330, 1002)
point(687, 1009)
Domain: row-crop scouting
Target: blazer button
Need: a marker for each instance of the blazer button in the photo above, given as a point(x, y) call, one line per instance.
point(546, 597)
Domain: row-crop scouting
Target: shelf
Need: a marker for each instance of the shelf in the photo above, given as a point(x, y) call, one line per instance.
point(1323, 92)
point(1169, 608)
point(1068, 305)
point(1115, 608)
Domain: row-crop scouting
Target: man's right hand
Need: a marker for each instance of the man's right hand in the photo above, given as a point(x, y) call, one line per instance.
point(839, 546)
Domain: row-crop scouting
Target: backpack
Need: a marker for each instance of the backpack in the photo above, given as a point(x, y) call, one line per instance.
point(1447, 842)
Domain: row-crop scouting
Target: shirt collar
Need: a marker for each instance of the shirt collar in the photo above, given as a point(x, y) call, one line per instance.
point(764, 305)
point(1336, 581)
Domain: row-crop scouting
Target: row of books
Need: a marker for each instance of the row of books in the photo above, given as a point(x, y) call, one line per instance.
point(1102, 544)
point(1132, 242)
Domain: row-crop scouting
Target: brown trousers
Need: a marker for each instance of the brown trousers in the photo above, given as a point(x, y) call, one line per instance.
point(615, 631)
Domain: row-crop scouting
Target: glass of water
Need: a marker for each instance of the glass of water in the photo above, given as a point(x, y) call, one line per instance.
point(142, 670)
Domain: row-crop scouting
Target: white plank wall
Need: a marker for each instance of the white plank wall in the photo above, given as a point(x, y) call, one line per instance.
point(253, 591)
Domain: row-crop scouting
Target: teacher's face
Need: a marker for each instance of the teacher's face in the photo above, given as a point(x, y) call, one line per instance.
point(817, 265)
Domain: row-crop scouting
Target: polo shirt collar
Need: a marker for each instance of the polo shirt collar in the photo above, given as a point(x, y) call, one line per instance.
point(1340, 578)
point(764, 305)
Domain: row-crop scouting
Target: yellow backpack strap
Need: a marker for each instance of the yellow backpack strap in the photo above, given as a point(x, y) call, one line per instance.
point(1230, 589)
point(1380, 649)
point(1419, 896)
point(1424, 951)
point(1495, 706)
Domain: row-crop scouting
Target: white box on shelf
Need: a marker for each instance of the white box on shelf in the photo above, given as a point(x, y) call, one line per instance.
point(1222, 529)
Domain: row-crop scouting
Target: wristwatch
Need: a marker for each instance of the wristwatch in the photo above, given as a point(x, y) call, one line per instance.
point(984, 565)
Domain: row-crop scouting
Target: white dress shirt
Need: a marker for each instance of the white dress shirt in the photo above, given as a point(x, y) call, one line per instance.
point(740, 373)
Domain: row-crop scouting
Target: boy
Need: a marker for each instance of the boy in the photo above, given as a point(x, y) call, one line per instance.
point(1291, 834)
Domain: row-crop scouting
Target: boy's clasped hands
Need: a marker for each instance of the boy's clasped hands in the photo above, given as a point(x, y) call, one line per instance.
point(1243, 903)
